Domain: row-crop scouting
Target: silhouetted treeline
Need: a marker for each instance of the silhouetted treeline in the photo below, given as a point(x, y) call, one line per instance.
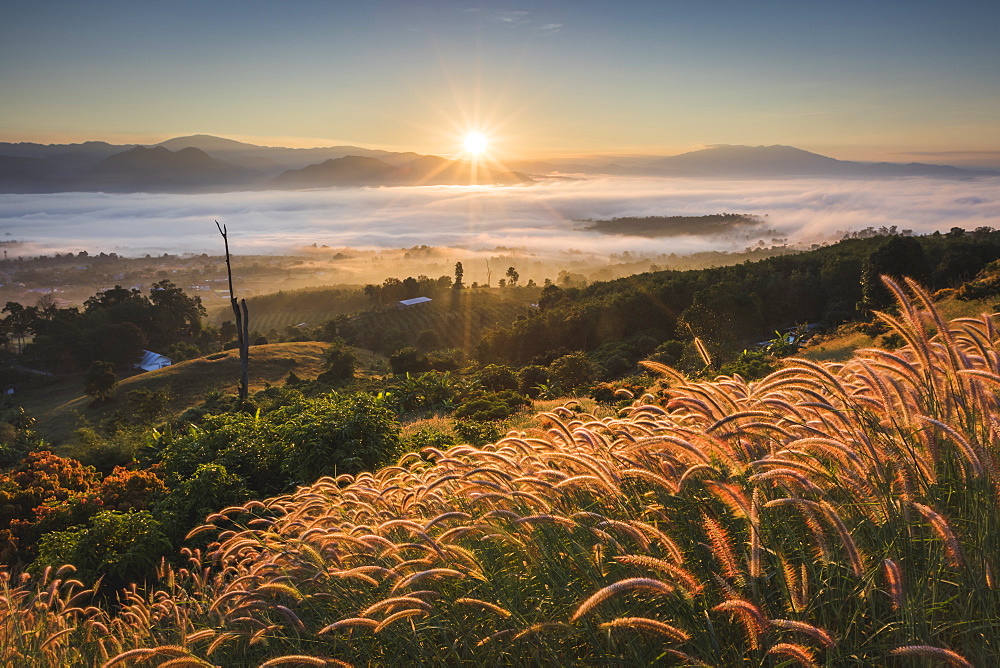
point(729, 307)
point(665, 226)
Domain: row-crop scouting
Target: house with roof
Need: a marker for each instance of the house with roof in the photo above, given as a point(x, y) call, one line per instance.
point(407, 303)
point(151, 361)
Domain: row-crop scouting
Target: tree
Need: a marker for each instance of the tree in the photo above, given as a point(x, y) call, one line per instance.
point(339, 362)
point(174, 313)
point(512, 275)
point(242, 322)
point(101, 380)
point(572, 371)
point(18, 322)
point(459, 273)
point(897, 257)
point(119, 343)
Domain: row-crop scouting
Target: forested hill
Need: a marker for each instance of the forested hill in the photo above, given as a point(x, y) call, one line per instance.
point(624, 320)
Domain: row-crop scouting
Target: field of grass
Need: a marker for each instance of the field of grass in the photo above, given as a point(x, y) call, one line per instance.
point(59, 403)
point(839, 345)
point(828, 514)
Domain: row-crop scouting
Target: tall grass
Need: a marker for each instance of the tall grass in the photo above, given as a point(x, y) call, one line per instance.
point(829, 514)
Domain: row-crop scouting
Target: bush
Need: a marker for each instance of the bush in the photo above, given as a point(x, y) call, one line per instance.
point(573, 371)
point(336, 434)
point(408, 360)
point(101, 381)
point(668, 352)
point(530, 377)
point(497, 377)
point(751, 365)
point(148, 406)
point(121, 547)
point(428, 437)
point(478, 433)
point(491, 406)
point(449, 359)
point(339, 363)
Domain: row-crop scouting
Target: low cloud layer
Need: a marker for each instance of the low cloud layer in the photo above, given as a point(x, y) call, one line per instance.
point(541, 218)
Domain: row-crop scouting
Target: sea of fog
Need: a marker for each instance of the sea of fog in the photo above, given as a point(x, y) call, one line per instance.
point(540, 218)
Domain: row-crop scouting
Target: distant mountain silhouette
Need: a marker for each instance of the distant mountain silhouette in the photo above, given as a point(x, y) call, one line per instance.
point(159, 169)
point(425, 170)
point(205, 163)
point(351, 170)
point(768, 162)
point(271, 160)
point(24, 174)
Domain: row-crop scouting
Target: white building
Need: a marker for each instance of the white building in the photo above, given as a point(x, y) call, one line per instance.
point(152, 361)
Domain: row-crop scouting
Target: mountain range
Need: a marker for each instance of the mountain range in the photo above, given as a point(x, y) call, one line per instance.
point(203, 163)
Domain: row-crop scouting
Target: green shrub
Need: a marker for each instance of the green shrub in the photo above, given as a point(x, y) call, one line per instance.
point(120, 547)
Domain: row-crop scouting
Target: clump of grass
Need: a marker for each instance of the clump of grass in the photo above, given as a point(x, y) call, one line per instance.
point(826, 514)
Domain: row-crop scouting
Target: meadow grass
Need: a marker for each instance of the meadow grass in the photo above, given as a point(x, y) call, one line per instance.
point(829, 514)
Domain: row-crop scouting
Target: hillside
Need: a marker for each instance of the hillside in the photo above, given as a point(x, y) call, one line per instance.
point(58, 405)
point(800, 520)
point(842, 343)
point(770, 162)
point(732, 308)
point(160, 169)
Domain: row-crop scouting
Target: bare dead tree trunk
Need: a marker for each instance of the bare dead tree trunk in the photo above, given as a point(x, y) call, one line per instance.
point(242, 322)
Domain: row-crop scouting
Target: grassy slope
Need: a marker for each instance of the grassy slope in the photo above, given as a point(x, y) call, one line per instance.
point(801, 520)
point(839, 345)
point(59, 404)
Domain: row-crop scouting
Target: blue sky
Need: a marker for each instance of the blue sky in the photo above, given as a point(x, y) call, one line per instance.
point(867, 80)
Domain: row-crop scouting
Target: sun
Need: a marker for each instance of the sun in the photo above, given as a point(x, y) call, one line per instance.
point(475, 143)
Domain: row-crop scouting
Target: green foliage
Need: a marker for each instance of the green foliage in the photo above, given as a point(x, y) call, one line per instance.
point(148, 406)
point(101, 380)
point(114, 326)
point(484, 406)
point(750, 364)
point(616, 393)
point(408, 360)
point(573, 371)
point(497, 377)
point(897, 257)
point(722, 317)
point(338, 434)
point(478, 433)
point(425, 391)
point(986, 284)
point(190, 499)
point(428, 437)
point(339, 363)
point(668, 352)
point(182, 351)
point(823, 285)
point(120, 547)
point(248, 447)
point(530, 377)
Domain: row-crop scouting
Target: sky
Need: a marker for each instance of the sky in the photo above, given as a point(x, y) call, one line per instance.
point(888, 80)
